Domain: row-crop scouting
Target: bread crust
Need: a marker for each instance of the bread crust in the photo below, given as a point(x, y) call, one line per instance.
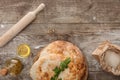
point(60, 48)
point(100, 53)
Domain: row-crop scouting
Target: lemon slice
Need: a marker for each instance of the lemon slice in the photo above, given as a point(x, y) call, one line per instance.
point(23, 50)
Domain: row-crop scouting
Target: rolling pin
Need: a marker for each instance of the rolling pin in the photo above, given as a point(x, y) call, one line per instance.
point(20, 25)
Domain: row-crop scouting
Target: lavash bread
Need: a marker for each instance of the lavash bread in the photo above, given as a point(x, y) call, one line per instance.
point(52, 55)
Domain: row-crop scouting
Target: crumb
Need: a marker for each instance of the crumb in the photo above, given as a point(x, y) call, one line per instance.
point(94, 18)
point(2, 26)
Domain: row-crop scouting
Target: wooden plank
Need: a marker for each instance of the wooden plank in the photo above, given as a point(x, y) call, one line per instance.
point(102, 76)
point(86, 36)
point(105, 1)
point(80, 34)
point(62, 11)
point(76, 29)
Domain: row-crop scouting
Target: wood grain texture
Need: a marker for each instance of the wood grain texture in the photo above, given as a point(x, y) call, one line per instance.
point(62, 11)
point(85, 23)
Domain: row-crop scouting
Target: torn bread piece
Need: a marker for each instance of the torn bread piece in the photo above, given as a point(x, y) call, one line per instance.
point(108, 55)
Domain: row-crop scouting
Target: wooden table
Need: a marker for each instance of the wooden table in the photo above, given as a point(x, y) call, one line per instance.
point(85, 23)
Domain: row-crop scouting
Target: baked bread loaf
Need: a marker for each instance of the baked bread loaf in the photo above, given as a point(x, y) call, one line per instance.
point(51, 57)
point(108, 55)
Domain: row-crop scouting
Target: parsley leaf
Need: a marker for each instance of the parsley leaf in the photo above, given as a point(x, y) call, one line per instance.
point(58, 70)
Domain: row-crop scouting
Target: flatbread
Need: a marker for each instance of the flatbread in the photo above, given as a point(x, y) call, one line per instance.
point(51, 56)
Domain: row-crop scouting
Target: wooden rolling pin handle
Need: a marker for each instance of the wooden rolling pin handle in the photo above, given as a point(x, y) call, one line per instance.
point(20, 25)
point(39, 8)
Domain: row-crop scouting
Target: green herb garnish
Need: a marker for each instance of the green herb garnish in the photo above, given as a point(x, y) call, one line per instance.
point(58, 70)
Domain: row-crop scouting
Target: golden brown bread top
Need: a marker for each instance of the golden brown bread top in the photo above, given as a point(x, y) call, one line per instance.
point(52, 55)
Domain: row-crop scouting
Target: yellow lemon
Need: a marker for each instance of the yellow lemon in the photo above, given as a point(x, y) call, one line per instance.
point(23, 50)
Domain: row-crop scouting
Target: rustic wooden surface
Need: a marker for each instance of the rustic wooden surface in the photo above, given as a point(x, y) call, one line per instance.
point(85, 23)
